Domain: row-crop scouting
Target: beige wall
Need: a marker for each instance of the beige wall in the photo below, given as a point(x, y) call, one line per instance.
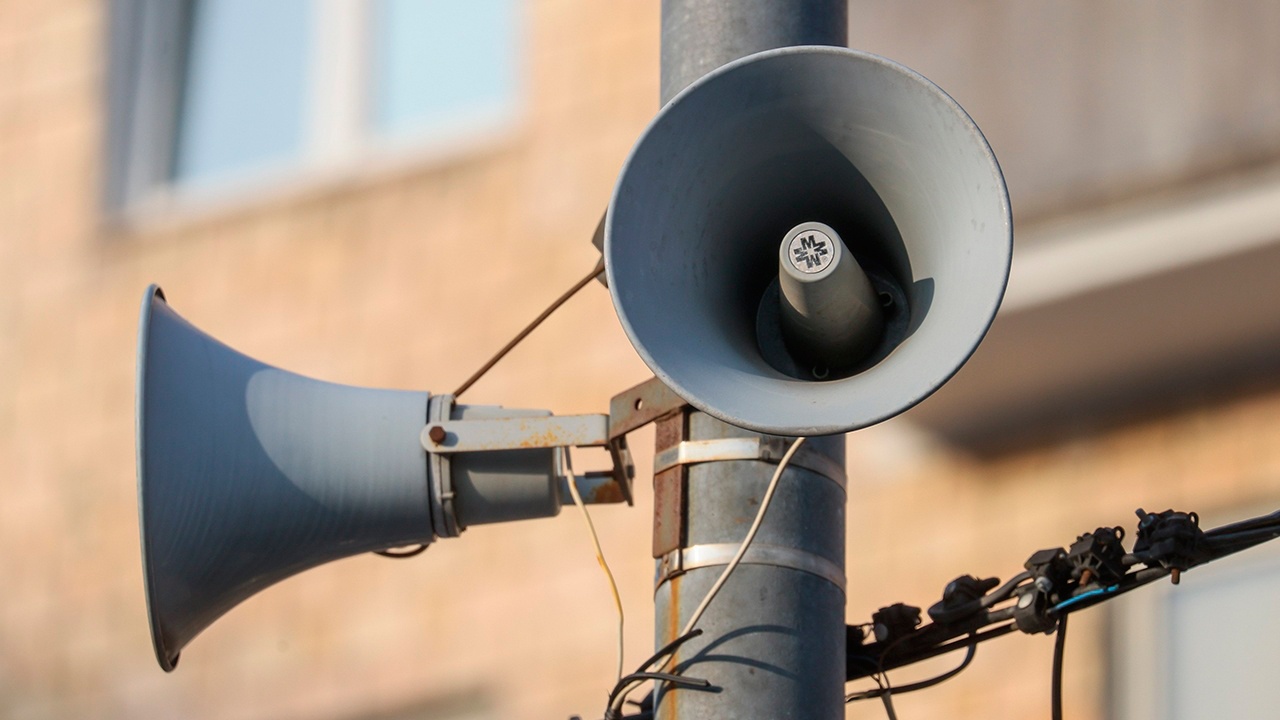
point(357, 280)
point(1093, 102)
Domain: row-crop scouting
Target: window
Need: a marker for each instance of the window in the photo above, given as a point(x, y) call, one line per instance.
point(1207, 648)
point(421, 47)
point(244, 88)
point(216, 97)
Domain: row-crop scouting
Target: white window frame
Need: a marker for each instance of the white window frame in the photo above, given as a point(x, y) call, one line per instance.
point(147, 46)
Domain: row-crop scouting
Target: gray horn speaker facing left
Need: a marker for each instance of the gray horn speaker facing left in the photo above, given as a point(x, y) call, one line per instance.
point(248, 474)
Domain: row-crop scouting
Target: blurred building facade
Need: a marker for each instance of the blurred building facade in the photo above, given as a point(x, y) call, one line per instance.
point(303, 194)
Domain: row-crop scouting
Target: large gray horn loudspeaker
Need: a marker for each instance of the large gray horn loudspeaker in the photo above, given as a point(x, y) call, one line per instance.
point(248, 474)
point(806, 135)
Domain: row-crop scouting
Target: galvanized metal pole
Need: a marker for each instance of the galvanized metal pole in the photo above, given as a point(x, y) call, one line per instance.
point(774, 639)
point(699, 36)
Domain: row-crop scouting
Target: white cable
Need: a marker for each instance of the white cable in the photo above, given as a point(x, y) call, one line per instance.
point(595, 541)
point(746, 542)
point(728, 569)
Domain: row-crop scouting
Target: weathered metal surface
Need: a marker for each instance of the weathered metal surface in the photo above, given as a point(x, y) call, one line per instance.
point(774, 641)
point(699, 36)
point(624, 469)
point(518, 433)
point(768, 449)
point(629, 410)
point(595, 488)
point(669, 488)
point(533, 430)
point(720, 554)
point(498, 484)
point(440, 474)
point(640, 405)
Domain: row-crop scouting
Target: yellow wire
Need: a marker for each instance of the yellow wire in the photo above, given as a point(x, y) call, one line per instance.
point(595, 541)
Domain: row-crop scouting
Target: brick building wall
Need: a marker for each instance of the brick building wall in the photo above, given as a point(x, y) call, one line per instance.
point(360, 279)
point(408, 279)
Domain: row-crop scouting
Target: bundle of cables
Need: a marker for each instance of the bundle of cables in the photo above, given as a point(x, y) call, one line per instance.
point(1056, 583)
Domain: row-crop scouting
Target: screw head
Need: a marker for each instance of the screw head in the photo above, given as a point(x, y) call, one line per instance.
point(437, 434)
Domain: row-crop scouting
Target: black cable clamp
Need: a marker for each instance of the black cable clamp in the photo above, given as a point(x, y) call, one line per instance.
point(962, 598)
point(1172, 540)
point(1098, 557)
point(895, 621)
point(1051, 573)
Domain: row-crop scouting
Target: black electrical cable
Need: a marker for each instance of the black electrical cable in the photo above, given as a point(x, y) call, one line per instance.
point(1253, 537)
point(882, 679)
point(885, 691)
point(1059, 644)
point(555, 305)
point(678, 680)
point(1005, 590)
point(670, 648)
point(943, 646)
point(1272, 519)
point(887, 699)
point(923, 684)
point(402, 554)
point(628, 683)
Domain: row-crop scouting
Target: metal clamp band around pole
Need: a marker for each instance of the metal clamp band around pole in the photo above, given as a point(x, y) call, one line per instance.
point(699, 556)
point(768, 449)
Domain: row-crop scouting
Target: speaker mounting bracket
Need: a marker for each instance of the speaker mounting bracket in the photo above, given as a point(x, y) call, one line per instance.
point(444, 437)
point(629, 410)
point(638, 406)
point(517, 433)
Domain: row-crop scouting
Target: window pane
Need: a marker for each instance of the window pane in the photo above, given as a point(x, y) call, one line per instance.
point(246, 87)
point(1224, 641)
point(442, 62)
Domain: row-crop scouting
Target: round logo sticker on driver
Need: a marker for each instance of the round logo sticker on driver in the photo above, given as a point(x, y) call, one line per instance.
point(811, 251)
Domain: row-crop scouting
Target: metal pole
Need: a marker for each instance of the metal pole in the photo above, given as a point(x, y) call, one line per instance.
point(699, 36)
point(774, 637)
point(773, 643)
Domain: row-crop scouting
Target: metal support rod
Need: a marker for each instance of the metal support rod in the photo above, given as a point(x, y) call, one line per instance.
point(699, 36)
point(774, 638)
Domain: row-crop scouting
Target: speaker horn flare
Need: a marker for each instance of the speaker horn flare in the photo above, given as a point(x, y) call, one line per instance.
point(789, 136)
point(248, 474)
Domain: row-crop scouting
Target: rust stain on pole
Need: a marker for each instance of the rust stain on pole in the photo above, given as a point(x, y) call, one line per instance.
point(669, 488)
point(673, 632)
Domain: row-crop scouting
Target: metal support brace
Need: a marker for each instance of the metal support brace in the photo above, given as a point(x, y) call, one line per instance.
point(629, 410)
point(519, 433)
